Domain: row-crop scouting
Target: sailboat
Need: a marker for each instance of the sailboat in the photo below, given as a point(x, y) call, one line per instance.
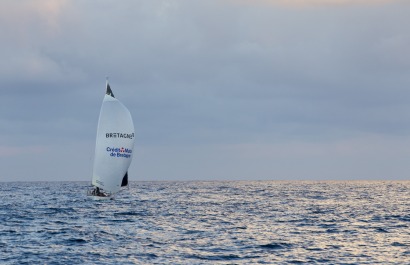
point(113, 148)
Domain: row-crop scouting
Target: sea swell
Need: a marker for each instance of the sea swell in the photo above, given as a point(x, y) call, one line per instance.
point(237, 222)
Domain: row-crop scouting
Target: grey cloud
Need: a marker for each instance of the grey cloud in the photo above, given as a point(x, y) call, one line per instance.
point(208, 73)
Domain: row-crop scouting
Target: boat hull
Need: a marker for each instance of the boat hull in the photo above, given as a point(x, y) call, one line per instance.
point(103, 197)
point(100, 198)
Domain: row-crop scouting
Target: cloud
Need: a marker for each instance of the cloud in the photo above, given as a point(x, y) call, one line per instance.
point(13, 151)
point(360, 157)
point(241, 76)
point(29, 28)
point(24, 15)
point(307, 3)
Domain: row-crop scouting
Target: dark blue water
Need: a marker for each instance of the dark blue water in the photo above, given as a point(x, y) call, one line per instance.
point(248, 222)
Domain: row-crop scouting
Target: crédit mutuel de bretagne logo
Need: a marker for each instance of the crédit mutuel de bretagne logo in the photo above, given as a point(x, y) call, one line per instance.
point(119, 151)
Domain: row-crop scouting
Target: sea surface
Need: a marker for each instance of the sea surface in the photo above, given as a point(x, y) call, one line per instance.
point(233, 222)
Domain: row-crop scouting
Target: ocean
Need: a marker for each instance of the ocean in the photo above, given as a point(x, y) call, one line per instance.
point(215, 222)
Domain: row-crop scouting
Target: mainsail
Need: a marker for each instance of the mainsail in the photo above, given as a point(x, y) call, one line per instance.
point(114, 145)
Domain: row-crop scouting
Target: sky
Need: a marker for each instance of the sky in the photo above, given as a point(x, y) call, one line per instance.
point(218, 89)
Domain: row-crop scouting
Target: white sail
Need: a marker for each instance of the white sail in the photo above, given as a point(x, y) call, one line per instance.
point(114, 144)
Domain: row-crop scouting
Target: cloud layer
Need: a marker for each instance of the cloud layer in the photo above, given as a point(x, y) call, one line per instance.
point(241, 89)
